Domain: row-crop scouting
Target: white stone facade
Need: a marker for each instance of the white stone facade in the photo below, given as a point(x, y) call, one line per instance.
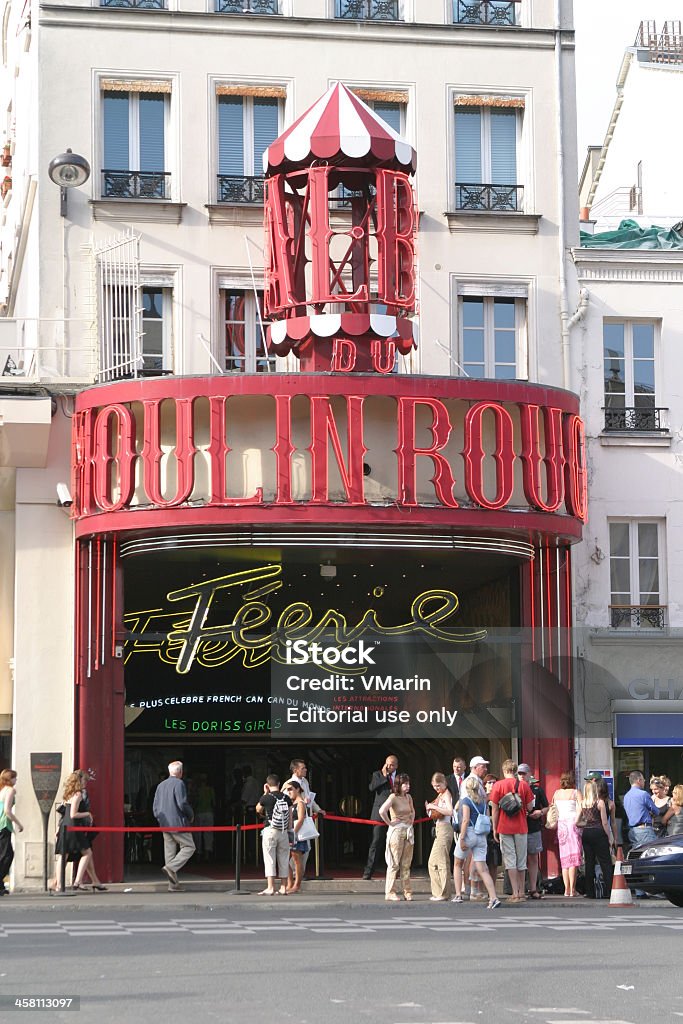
point(629, 660)
point(191, 246)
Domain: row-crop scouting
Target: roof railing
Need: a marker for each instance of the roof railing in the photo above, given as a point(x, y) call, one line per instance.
point(665, 46)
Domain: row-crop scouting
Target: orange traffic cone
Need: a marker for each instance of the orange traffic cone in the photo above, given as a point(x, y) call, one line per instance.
point(621, 894)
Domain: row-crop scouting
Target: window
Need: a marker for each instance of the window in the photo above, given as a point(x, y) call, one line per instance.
point(486, 159)
point(247, 7)
point(368, 10)
point(485, 12)
point(246, 127)
point(244, 346)
point(156, 332)
point(158, 5)
point(134, 145)
point(629, 362)
point(634, 574)
point(491, 332)
point(391, 111)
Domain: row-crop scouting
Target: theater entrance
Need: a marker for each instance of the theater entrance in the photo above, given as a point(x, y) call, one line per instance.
point(225, 780)
point(216, 663)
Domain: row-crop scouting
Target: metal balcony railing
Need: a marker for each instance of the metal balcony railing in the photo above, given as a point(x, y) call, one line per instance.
point(247, 7)
point(136, 184)
point(485, 12)
point(341, 198)
point(368, 10)
point(241, 189)
point(637, 616)
point(148, 5)
point(634, 418)
point(495, 198)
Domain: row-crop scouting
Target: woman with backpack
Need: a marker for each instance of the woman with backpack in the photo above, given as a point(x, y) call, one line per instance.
point(474, 830)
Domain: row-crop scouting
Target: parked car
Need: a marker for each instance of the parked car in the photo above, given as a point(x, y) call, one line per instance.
point(657, 866)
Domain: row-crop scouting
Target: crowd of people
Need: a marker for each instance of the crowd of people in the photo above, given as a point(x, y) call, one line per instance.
point(480, 823)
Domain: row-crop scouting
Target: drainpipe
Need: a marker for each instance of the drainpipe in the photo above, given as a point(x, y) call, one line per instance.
point(562, 229)
point(580, 312)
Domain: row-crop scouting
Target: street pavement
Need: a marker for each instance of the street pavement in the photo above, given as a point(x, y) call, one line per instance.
point(339, 958)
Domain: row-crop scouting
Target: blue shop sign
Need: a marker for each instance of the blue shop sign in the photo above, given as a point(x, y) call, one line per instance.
point(653, 730)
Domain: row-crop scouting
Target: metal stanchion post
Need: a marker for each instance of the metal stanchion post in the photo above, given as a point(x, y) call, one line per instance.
point(237, 891)
point(320, 852)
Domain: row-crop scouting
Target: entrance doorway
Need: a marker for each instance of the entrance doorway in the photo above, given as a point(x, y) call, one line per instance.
point(339, 774)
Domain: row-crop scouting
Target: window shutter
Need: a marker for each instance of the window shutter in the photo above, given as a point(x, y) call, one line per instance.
point(116, 137)
point(389, 112)
point(265, 129)
point(468, 146)
point(231, 135)
point(152, 118)
point(503, 147)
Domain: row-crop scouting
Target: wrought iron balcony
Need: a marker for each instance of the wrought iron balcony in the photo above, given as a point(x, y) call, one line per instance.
point(494, 198)
point(241, 189)
point(341, 198)
point(634, 418)
point(247, 7)
point(136, 184)
point(637, 616)
point(485, 12)
point(368, 10)
point(148, 5)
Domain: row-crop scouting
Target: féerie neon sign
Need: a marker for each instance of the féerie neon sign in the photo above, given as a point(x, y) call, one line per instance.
point(252, 634)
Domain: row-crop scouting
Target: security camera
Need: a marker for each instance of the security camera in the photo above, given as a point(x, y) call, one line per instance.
point(64, 499)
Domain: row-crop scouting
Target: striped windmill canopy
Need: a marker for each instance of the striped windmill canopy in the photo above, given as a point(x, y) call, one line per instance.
point(339, 128)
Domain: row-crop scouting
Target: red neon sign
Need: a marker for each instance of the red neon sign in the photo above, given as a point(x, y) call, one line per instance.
point(116, 472)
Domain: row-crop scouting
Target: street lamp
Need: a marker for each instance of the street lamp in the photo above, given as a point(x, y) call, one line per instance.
point(68, 170)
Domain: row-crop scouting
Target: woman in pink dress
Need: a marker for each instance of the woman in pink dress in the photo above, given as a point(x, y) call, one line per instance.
point(567, 799)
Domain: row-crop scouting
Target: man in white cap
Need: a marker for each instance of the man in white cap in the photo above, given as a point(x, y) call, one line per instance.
point(478, 767)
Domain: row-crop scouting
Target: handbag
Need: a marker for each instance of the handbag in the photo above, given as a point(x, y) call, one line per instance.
point(307, 830)
point(552, 816)
point(511, 803)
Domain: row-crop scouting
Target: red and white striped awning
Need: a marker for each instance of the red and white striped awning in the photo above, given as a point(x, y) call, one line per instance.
point(339, 128)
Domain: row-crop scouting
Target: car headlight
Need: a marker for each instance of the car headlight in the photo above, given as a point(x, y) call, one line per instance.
point(660, 851)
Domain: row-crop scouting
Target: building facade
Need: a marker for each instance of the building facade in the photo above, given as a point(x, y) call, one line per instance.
point(628, 567)
point(207, 467)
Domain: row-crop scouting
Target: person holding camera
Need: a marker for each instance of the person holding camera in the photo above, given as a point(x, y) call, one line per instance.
point(381, 786)
point(440, 810)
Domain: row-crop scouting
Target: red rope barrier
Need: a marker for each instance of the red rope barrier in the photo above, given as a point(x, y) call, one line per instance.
point(213, 828)
point(159, 828)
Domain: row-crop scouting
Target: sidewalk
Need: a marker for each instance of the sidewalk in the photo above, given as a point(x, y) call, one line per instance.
point(202, 893)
